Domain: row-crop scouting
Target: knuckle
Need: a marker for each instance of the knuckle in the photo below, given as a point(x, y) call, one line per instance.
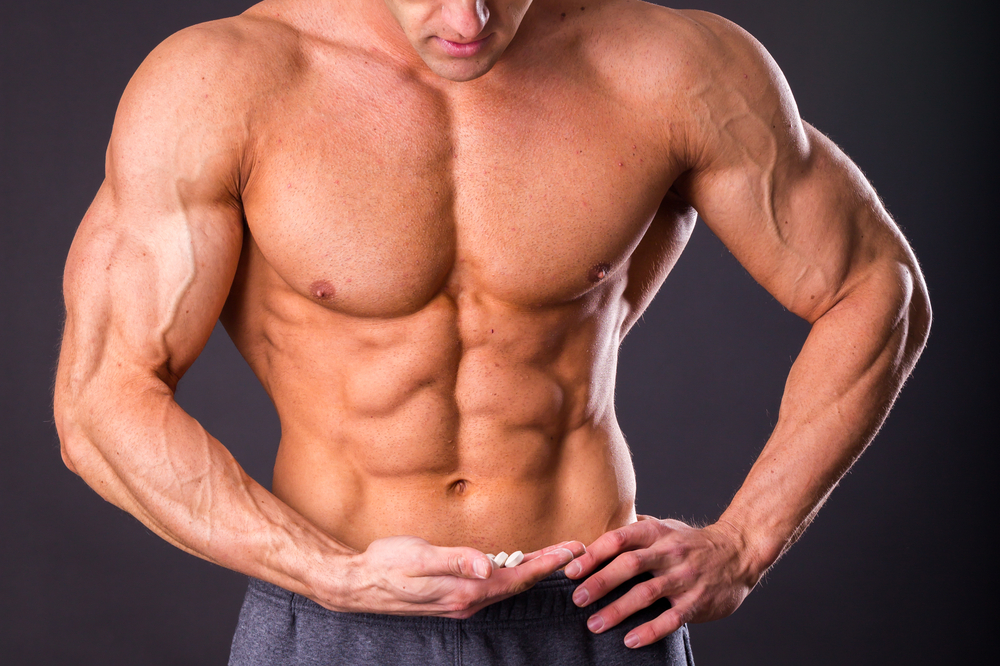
point(612, 614)
point(420, 561)
point(648, 634)
point(520, 585)
point(477, 599)
point(647, 592)
point(634, 559)
point(677, 551)
point(685, 575)
point(672, 583)
point(674, 619)
point(462, 602)
point(619, 537)
point(464, 611)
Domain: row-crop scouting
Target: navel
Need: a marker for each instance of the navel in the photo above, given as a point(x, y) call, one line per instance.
point(322, 290)
point(598, 272)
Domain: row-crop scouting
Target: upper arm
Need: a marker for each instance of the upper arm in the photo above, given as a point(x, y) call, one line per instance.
point(793, 209)
point(154, 257)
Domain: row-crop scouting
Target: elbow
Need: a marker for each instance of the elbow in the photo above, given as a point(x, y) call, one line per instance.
point(73, 415)
point(919, 314)
point(70, 432)
point(915, 314)
point(67, 459)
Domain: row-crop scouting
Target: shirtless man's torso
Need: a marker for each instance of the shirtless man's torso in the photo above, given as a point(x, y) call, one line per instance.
point(427, 225)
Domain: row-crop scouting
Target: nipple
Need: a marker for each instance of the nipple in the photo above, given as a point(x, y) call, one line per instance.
point(322, 290)
point(599, 272)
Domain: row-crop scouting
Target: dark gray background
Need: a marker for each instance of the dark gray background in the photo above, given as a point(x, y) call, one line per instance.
point(895, 569)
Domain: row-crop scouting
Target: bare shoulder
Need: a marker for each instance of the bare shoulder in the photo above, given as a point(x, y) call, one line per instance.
point(722, 52)
point(235, 58)
point(192, 100)
point(695, 71)
point(671, 49)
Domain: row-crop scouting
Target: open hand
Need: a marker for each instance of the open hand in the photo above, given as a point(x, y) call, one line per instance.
point(702, 572)
point(406, 575)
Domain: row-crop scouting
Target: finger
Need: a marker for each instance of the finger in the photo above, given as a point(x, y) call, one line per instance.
point(461, 562)
point(640, 596)
point(526, 574)
point(576, 547)
point(636, 535)
point(541, 551)
point(625, 567)
point(652, 631)
point(505, 582)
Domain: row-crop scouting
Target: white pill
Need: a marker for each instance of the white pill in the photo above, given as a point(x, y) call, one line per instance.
point(515, 558)
point(491, 556)
point(500, 559)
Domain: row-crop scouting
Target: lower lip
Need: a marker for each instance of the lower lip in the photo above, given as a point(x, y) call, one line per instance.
point(456, 50)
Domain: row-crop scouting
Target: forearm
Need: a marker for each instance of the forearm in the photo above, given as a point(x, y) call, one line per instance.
point(138, 449)
point(839, 391)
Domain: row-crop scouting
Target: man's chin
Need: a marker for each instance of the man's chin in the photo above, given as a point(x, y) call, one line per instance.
point(461, 69)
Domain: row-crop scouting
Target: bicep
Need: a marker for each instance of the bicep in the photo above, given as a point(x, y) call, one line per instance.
point(145, 282)
point(790, 206)
point(153, 260)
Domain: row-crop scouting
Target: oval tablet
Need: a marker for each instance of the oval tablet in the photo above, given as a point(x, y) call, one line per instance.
point(500, 558)
point(515, 558)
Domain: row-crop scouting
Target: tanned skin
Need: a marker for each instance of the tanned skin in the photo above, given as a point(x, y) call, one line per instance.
point(430, 260)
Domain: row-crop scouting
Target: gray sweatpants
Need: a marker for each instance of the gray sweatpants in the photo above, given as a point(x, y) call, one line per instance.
point(540, 627)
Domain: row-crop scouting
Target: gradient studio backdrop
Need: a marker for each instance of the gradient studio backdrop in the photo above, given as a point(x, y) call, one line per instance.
point(892, 570)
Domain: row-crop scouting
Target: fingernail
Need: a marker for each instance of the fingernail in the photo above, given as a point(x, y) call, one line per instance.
point(479, 566)
point(573, 569)
point(581, 597)
point(631, 641)
point(596, 623)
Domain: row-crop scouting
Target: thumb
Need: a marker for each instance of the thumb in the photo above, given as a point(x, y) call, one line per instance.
point(462, 562)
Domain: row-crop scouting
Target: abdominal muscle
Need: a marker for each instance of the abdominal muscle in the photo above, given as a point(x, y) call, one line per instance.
point(465, 424)
point(509, 503)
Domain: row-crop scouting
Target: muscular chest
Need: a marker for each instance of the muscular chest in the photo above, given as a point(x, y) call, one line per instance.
point(368, 194)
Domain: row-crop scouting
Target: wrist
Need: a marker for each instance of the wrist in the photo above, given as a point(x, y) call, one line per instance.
point(330, 576)
point(756, 550)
